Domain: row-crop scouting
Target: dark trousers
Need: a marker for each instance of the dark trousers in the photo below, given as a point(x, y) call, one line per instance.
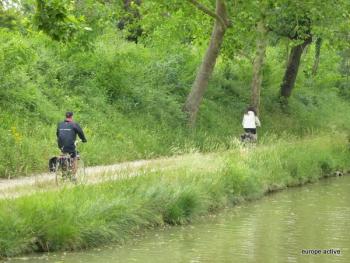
point(252, 131)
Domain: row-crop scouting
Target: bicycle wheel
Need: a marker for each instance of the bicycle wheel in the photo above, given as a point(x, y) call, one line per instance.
point(80, 175)
point(62, 170)
point(59, 175)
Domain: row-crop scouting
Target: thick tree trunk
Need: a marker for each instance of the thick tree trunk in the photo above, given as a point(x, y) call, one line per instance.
point(258, 65)
point(206, 69)
point(292, 68)
point(317, 56)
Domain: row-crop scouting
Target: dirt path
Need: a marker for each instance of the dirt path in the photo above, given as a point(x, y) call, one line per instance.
point(39, 178)
point(12, 188)
point(22, 185)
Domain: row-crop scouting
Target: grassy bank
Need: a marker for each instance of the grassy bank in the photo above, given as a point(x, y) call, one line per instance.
point(88, 216)
point(128, 98)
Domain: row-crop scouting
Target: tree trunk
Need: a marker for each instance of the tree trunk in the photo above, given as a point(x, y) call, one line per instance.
point(287, 53)
point(292, 68)
point(317, 56)
point(261, 44)
point(206, 69)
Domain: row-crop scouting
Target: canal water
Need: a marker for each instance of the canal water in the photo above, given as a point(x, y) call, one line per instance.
point(302, 224)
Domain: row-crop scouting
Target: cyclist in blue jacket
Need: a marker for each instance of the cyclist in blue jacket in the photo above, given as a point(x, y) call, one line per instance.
point(67, 132)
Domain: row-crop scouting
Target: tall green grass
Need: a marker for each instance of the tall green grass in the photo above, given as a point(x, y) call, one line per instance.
point(90, 215)
point(128, 99)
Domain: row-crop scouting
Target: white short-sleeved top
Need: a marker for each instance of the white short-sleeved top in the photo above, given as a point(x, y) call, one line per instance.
point(250, 121)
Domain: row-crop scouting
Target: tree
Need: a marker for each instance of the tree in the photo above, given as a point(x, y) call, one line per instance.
point(291, 72)
point(200, 84)
point(130, 20)
point(55, 18)
point(301, 32)
point(318, 45)
point(8, 14)
point(300, 21)
point(261, 44)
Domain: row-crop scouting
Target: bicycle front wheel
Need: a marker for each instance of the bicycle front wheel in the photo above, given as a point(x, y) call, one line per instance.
point(62, 171)
point(80, 176)
point(59, 176)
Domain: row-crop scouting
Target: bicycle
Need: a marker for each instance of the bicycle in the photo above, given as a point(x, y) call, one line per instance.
point(248, 137)
point(65, 170)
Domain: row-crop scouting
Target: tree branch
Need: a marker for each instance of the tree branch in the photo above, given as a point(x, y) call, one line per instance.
point(209, 12)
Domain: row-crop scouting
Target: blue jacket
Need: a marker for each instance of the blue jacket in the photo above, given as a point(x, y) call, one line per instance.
point(66, 135)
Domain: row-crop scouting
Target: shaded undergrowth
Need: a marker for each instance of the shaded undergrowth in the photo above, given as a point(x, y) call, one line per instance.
point(128, 98)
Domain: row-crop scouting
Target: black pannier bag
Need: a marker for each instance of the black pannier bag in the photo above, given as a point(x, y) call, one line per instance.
point(53, 164)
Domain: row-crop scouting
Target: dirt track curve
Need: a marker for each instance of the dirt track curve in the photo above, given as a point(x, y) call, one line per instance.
point(15, 187)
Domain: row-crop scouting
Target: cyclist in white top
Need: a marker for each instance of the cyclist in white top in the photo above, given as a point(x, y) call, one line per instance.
point(250, 121)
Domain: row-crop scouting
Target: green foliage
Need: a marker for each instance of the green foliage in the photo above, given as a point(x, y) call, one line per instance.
point(55, 18)
point(91, 215)
point(128, 98)
point(168, 24)
point(7, 18)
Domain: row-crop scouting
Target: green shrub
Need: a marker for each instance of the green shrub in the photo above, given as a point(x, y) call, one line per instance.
point(128, 98)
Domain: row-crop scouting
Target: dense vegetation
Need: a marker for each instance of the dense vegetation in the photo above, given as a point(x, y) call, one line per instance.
point(87, 216)
point(129, 96)
point(147, 79)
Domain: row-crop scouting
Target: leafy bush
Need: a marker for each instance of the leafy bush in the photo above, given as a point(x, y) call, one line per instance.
point(128, 98)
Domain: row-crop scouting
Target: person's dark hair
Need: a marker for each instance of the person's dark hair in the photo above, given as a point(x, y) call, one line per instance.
point(251, 108)
point(69, 114)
